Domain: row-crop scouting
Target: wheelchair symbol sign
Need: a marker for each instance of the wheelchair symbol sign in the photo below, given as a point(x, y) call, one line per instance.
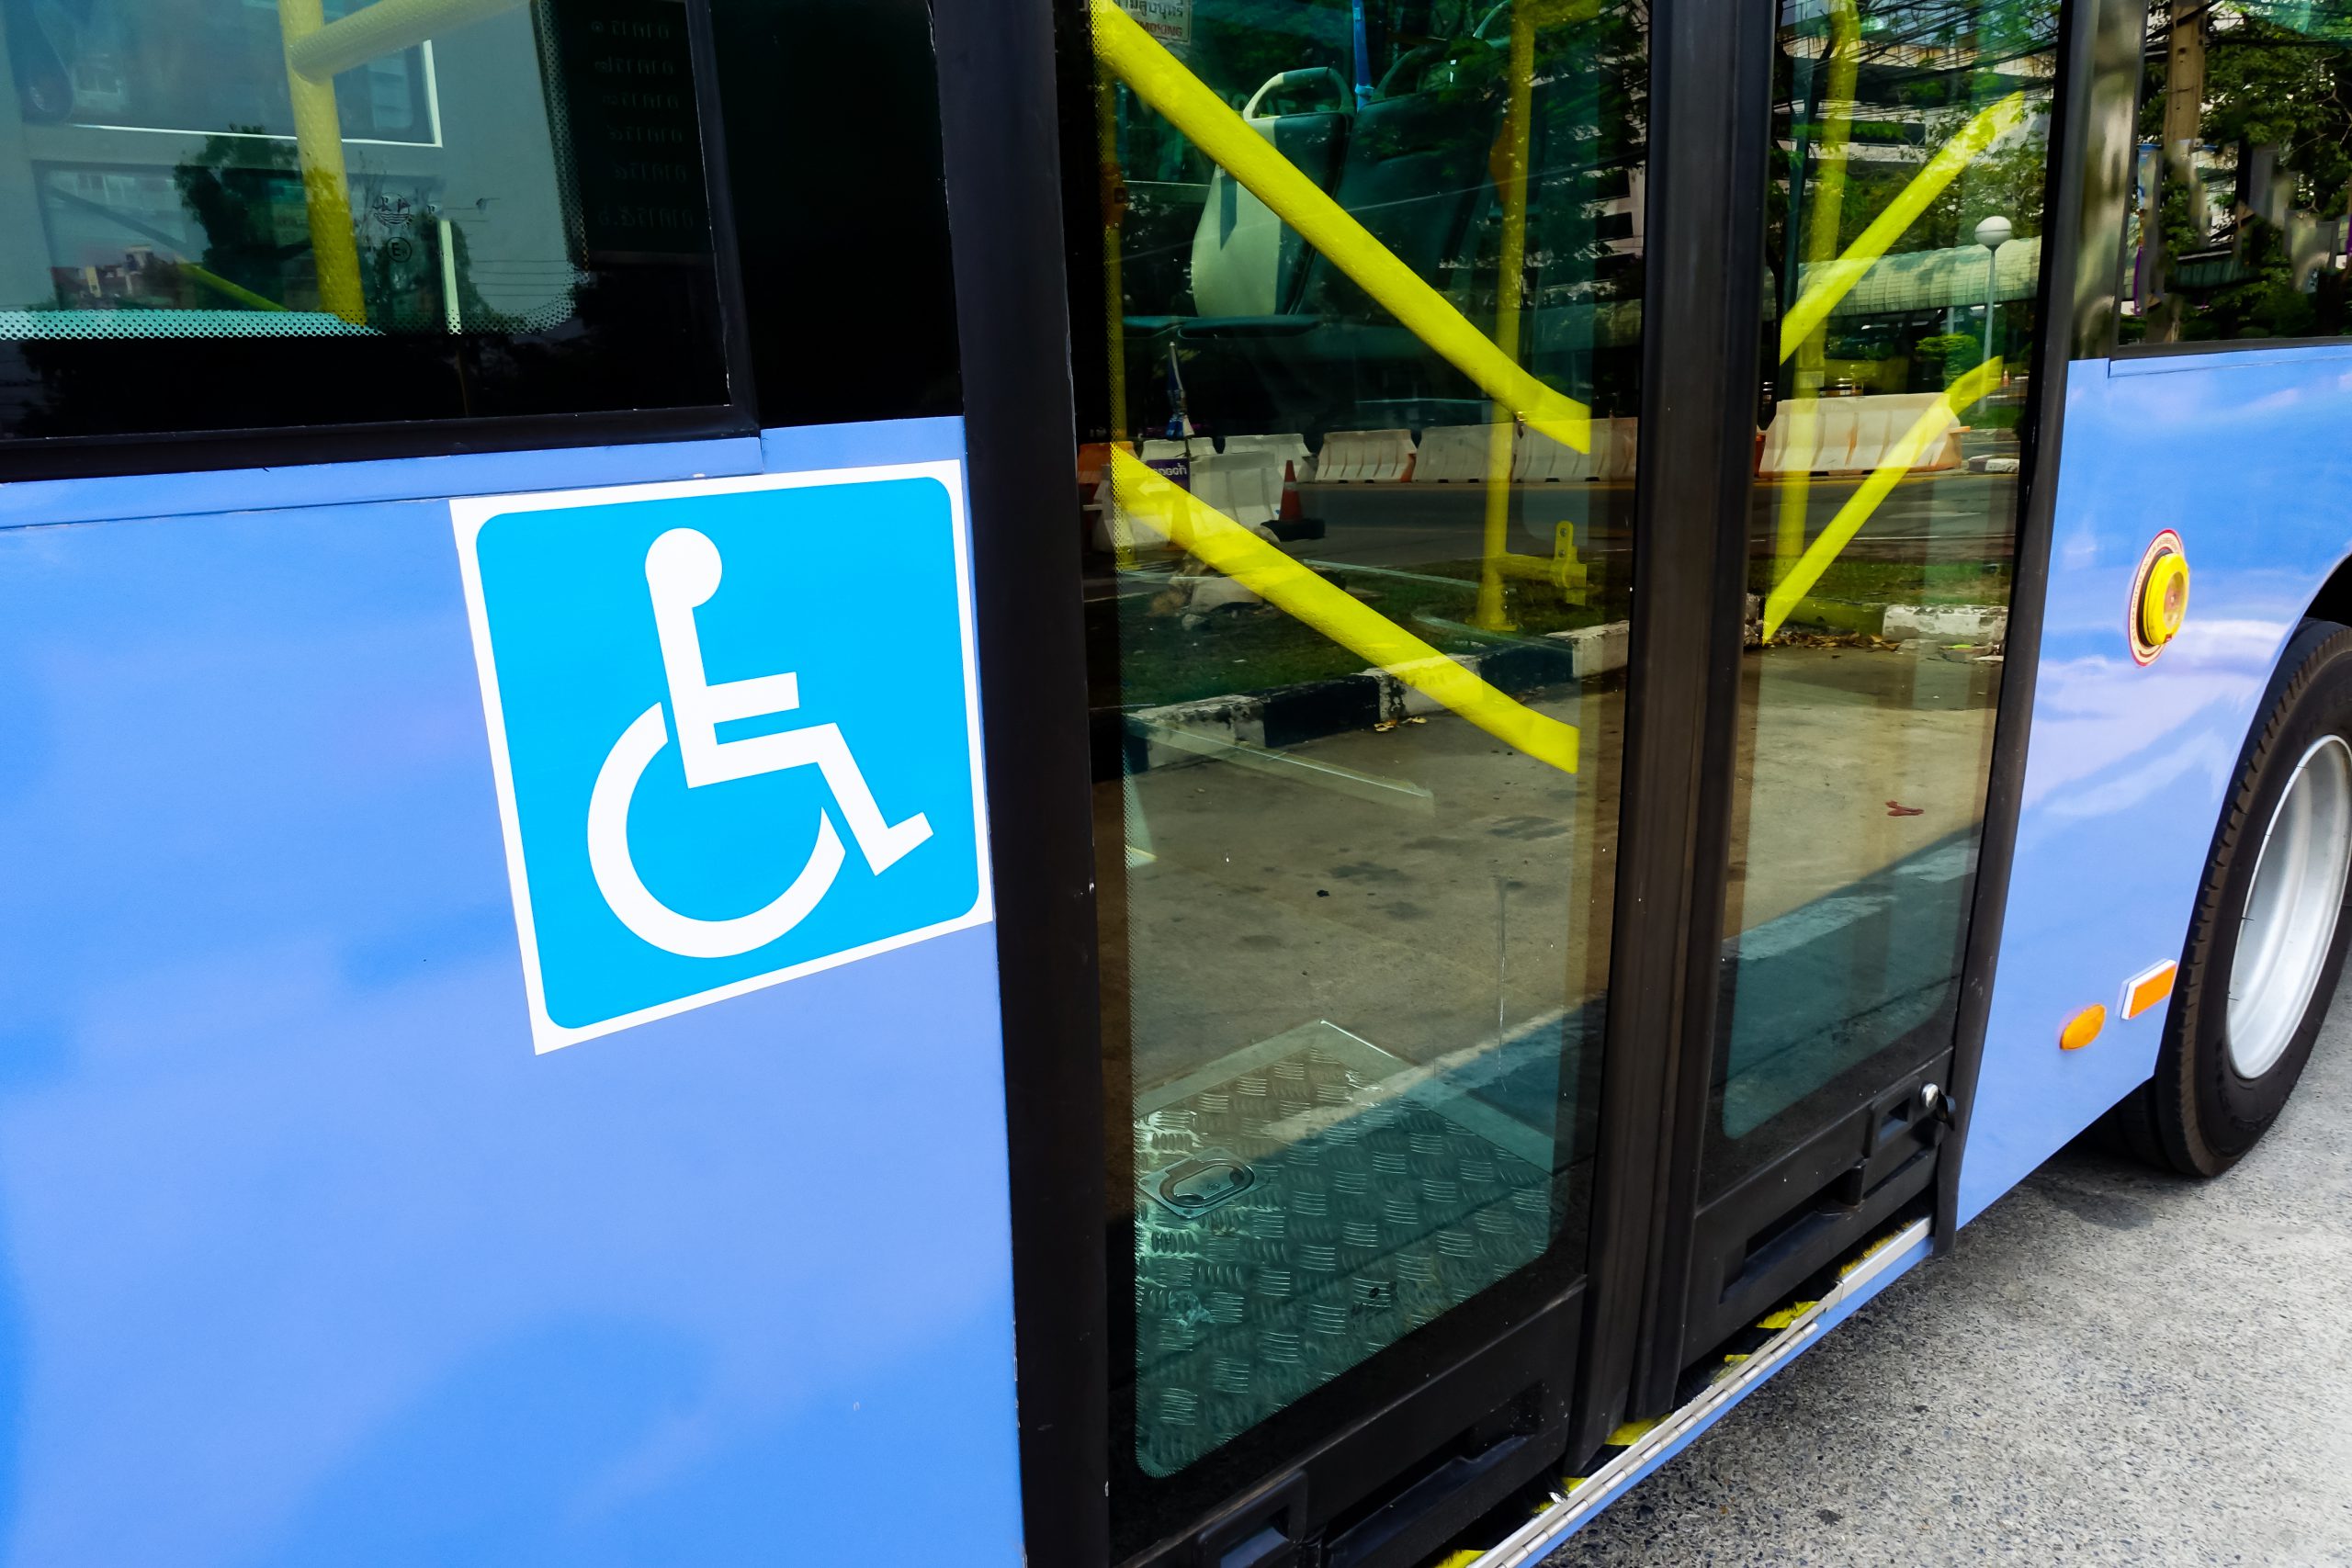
point(702, 698)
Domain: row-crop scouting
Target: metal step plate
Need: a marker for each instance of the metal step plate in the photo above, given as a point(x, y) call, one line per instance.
point(1301, 1205)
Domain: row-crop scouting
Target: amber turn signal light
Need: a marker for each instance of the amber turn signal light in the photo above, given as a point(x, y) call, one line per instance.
point(2083, 1028)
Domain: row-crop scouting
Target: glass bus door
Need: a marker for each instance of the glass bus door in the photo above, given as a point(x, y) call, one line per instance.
point(1904, 205)
point(1405, 573)
point(1359, 366)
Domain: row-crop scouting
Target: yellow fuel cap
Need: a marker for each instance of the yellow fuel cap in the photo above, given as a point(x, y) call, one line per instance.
point(2159, 596)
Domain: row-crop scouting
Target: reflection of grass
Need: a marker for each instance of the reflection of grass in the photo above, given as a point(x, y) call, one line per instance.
point(1900, 582)
point(1161, 660)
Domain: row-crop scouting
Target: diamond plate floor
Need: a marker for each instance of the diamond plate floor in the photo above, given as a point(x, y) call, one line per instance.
point(1339, 1198)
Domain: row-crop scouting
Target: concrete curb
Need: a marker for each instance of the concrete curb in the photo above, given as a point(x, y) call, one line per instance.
point(1313, 709)
point(1984, 625)
point(1286, 715)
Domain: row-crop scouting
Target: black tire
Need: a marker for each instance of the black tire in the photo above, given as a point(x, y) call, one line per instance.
point(2198, 1115)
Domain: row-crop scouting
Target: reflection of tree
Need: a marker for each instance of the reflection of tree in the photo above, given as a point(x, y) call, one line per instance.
point(245, 190)
point(2276, 102)
point(1921, 70)
point(233, 187)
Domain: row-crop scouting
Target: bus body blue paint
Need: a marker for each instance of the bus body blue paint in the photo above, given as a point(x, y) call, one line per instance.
point(309, 1257)
point(118, 497)
point(2127, 766)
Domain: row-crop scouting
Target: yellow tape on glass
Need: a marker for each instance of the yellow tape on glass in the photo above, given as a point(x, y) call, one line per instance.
point(1194, 525)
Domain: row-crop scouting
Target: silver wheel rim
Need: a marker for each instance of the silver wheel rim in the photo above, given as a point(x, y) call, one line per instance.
point(2290, 910)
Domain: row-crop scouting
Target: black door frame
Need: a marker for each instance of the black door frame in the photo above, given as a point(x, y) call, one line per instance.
point(1000, 134)
point(1711, 64)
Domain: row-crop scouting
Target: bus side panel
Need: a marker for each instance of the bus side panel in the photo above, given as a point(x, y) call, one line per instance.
point(2244, 454)
point(305, 1256)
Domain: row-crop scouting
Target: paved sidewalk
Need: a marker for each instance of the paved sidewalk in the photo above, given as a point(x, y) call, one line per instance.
point(2115, 1367)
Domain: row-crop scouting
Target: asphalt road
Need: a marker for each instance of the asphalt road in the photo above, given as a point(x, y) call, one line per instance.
point(2115, 1367)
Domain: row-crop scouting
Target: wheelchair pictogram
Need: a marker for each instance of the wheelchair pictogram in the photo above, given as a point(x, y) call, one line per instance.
point(683, 571)
point(714, 695)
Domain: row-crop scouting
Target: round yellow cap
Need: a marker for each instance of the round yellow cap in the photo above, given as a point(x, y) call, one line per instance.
point(2164, 601)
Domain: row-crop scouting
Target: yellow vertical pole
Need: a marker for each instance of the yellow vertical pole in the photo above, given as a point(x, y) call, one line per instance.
point(1509, 166)
point(1822, 217)
point(326, 189)
point(1114, 308)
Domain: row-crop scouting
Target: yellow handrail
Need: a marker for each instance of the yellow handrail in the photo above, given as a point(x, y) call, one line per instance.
point(1509, 164)
point(1192, 525)
point(316, 50)
point(219, 284)
point(1825, 212)
point(326, 187)
point(387, 26)
point(1162, 80)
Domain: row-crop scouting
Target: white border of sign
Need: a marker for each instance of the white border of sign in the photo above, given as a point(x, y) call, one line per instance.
point(468, 515)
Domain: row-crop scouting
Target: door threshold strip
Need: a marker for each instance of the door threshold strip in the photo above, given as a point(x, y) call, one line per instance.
point(1531, 1540)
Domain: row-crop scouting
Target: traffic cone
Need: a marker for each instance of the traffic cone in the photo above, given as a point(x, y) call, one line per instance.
point(1291, 522)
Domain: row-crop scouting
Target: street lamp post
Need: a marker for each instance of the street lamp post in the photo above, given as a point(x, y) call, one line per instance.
point(1992, 233)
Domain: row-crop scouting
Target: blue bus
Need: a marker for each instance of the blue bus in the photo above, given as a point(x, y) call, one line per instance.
point(1464, 712)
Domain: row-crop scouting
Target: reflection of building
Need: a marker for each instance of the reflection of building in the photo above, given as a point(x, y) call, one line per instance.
point(1867, 102)
point(139, 277)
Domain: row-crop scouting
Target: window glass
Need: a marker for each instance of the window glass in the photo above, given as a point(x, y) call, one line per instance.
point(1903, 235)
point(1359, 385)
point(2245, 170)
point(811, 362)
point(392, 212)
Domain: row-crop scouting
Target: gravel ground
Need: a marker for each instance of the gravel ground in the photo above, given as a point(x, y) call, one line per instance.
point(2115, 1367)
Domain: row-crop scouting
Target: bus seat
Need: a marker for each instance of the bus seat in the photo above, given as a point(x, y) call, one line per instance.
point(1414, 176)
point(1246, 261)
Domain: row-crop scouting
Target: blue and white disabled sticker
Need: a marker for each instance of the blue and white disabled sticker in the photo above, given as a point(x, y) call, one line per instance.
point(735, 726)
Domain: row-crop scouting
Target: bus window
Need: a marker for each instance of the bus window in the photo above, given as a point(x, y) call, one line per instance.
point(2245, 169)
point(1904, 224)
point(255, 216)
point(1358, 379)
point(869, 216)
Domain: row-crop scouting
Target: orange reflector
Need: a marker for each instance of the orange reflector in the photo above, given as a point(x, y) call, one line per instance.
point(2147, 988)
point(2083, 1028)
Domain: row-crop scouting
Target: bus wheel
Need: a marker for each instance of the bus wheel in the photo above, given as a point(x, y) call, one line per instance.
point(2267, 946)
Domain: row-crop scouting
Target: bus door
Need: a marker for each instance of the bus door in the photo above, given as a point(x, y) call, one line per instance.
point(1541, 628)
point(1903, 193)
